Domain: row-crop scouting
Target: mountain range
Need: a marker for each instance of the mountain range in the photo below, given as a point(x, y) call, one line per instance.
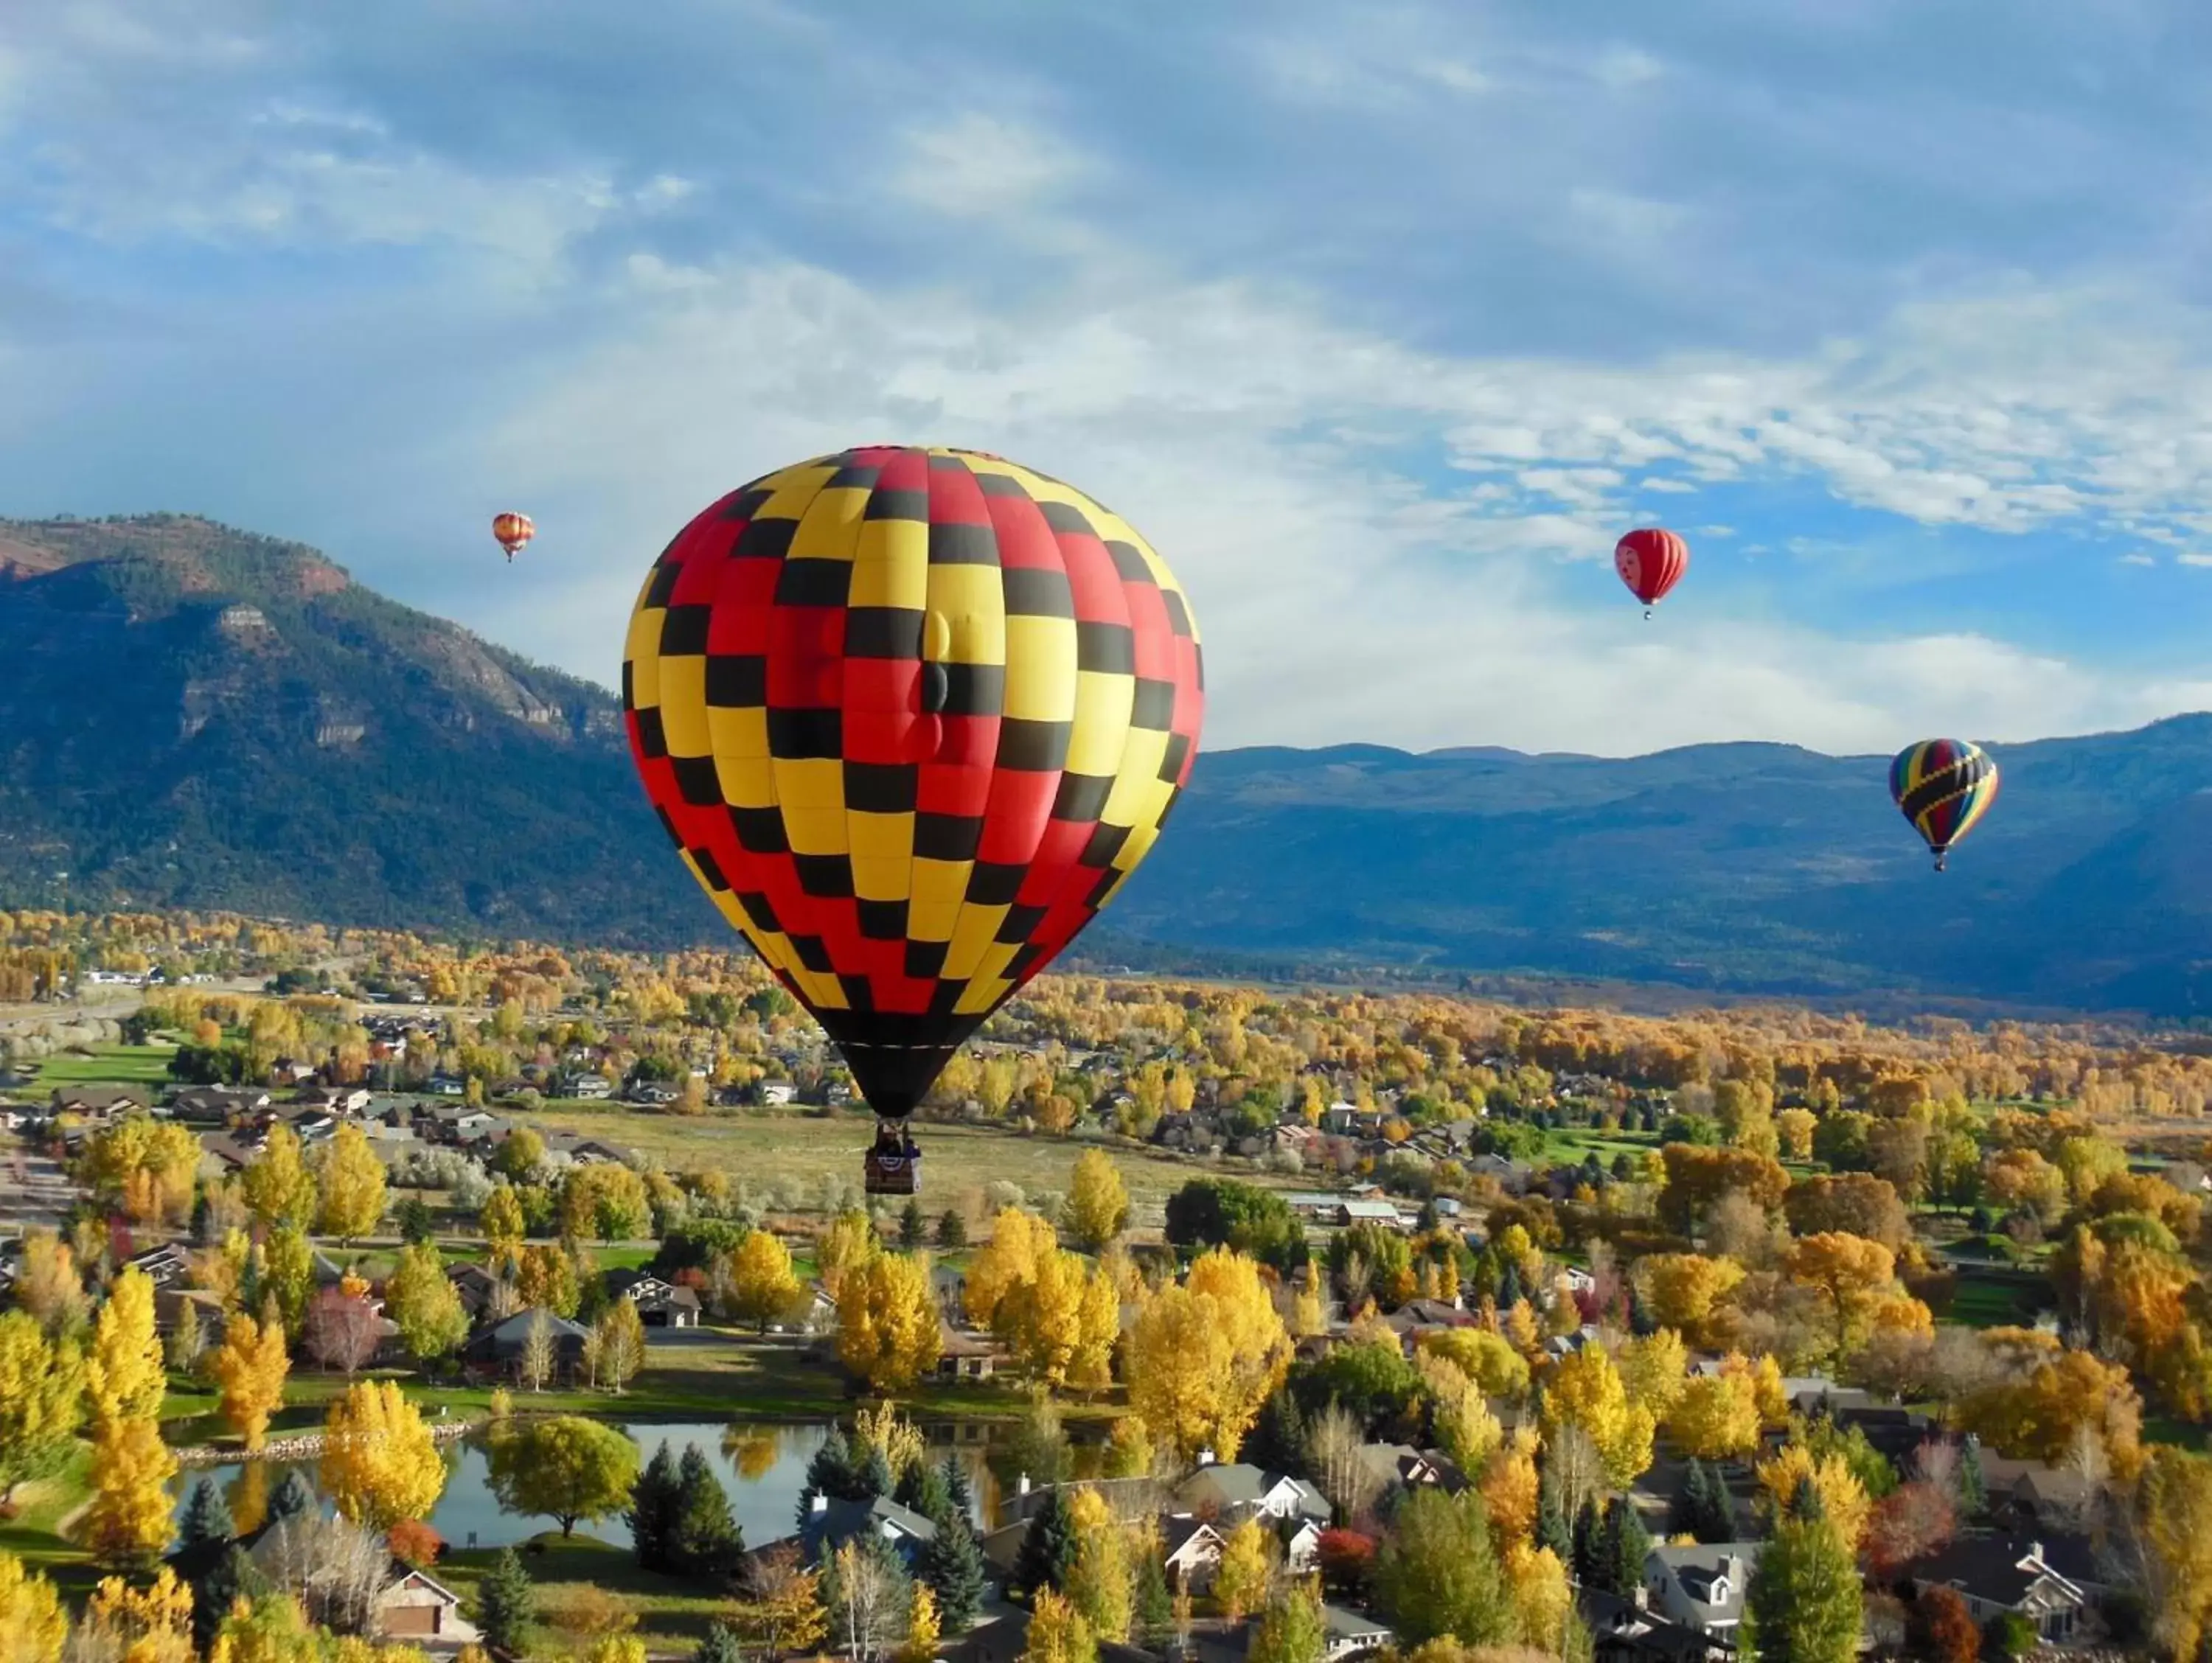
point(195, 716)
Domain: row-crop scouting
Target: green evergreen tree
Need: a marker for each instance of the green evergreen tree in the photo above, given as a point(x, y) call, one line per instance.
point(721, 1645)
point(1623, 1546)
point(207, 1517)
point(1439, 1576)
point(871, 1474)
point(416, 1224)
point(957, 1487)
point(951, 1230)
point(1552, 1528)
point(952, 1563)
point(1805, 1603)
point(1589, 1529)
point(922, 1488)
point(1682, 1510)
point(652, 1513)
point(294, 1498)
point(704, 1541)
point(1641, 1322)
point(830, 1471)
point(233, 1575)
point(1973, 1487)
point(1047, 1547)
point(1277, 1442)
point(914, 1225)
point(506, 1604)
point(1154, 1599)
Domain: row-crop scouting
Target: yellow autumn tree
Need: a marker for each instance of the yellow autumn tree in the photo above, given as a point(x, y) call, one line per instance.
point(1850, 1273)
point(1097, 1201)
point(249, 1369)
point(380, 1463)
point(1246, 1568)
point(150, 1624)
point(1019, 1240)
point(1509, 1486)
point(888, 1329)
point(1655, 1370)
point(278, 1188)
point(762, 1286)
point(1716, 1417)
point(502, 1221)
point(847, 1244)
point(353, 1185)
point(1203, 1356)
point(1542, 1600)
point(1585, 1389)
point(2175, 1505)
point(1842, 1497)
point(1681, 1289)
point(1309, 1313)
point(124, 1376)
point(1100, 1582)
point(1057, 1633)
point(127, 1522)
point(922, 1626)
point(33, 1626)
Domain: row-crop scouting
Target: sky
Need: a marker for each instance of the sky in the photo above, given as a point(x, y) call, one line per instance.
point(1381, 322)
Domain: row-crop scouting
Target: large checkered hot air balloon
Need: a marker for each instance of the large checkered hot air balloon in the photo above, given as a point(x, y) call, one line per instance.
point(1943, 787)
point(912, 717)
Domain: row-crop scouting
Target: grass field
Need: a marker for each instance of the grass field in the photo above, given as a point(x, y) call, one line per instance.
point(582, 1574)
point(761, 1146)
point(108, 1064)
point(1989, 1299)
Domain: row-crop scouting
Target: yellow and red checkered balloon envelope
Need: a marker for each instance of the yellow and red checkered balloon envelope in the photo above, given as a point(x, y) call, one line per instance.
point(911, 716)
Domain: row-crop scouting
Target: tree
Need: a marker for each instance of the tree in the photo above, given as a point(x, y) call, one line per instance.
point(2175, 1506)
point(540, 1352)
point(249, 1369)
point(1623, 1545)
point(723, 1644)
point(34, 1623)
point(1853, 1203)
point(1849, 1272)
point(1097, 1201)
point(1201, 1358)
point(888, 1329)
point(1098, 1581)
point(545, 1280)
point(652, 1512)
point(380, 1463)
point(127, 1522)
point(502, 1221)
point(142, 1166)
point(520, 1155)
point(288, 1274)
point(1585, 1389)
point(1701, 1507)
point(1220, 1212)
point(1681, 1290)
point(1058, 1633)
point(1696, 1178)
point(1019, 1240)
point(1805, 1603)
point(279, 1189)
point(125, 1377)
point(148, 1624)
point(762, 1286)
point(1048, 1549)
point(506, 1604)
point(1843, 1502)
point(705, 1541)
point(922, 1628)
point(868, 1595)
point(1913, 1521)
point(952, 1563)
point(567, 1468)
point(49, 1285)
point(1246, 1567)
point(206, 1518)
point(1438, 1575)
point(1485, 1358)
point(785, 1613)
point(1716, 1417)
point(421, 1299)
point(951, 1228)
point(849, 1242)
point(1291, 1629)
point(615, 1349)
point(41, 1401)
point(353, 1185)
point(1041, 1320)
point(341, 1330)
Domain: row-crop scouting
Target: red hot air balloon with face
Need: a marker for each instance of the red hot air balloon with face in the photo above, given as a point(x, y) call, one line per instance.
point(1650, 561)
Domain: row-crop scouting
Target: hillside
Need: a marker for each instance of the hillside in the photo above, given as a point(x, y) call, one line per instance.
point(197, 717)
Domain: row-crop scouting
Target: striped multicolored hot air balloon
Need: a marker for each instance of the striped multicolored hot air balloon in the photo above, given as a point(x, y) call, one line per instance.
point(1650, 561)
point(911, 717)
point(512, 530)
point(1943, 787)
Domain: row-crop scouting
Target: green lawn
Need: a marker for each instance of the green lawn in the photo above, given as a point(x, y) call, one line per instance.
point(33, 1535)
point(108, 1064)
point(673, 1615)
point(1988, 1299)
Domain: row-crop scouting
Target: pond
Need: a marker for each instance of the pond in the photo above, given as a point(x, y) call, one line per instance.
point(763, 1468)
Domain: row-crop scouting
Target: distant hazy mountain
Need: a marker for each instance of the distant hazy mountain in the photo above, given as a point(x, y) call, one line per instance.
point(193, 716)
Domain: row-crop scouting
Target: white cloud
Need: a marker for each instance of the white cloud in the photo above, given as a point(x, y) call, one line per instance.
point(2138, 559)
point(2192, 559)
point(977, 166)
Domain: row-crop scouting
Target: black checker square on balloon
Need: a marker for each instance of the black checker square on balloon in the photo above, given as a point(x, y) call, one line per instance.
point(995, 883)
point(882, 920)
point(897, 505)
point(1109, 649)
point(1000, 485)
point(1153, 707)
point(1031, 592)
point(651, 738)
point(758, 910)
point(684, 631)
point(798, 735)
point(1130, 561)
point(1066, 517)
point(737, 681)
point(814, 583)
point(697, 778)
point(962, 546)
point(709, 868)
point(760, 831)
point(924, 960)
point(664, 583)
point(883, 632)
point(972, 689)
point(1171, 764)
point(812, 952)
point(1024, 961)
point(859, 996)
point(764, 539)
point(827, 876)
point(747, 503)
point(947, 836)
point(1106, 841)
point(881, 787)
point(1018, 923)
point(1082, 797)
point(1033, 746)
point(851, 477)
point(1178, 615)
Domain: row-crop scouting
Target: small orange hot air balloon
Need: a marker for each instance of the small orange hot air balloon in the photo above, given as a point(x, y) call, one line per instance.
point(512, 530)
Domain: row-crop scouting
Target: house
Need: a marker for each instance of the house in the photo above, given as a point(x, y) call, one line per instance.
point(97, 1102)
point(410, 1604)
point(1399, 1465)
point(1626, 1630)
point(1234, 1488)
point(586, 1150)
point(1701, 1587)
point(584, 1087)
point(1301, 1544)
point(165, 1266)
point(1189, 1549)
point(341, 1100)
point(477, 1286)
point(660, 1303)
point(222, 1153)
point(1006, 1640)
point(414, 1606)
point(962, 1355)
point(497, 1351)
point(1132, 1500)
point(1346, 1634)
point(1349, 1213)
point(170, 1303)
point(217, 1105)
point(2031, 1493)
point(1419, 1315)
point(2001, 1575)
point(778, 1094)
point(830, 1524)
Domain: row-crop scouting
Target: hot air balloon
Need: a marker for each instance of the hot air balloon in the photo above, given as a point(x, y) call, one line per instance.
point(1650, 561)
point(512, 530)
point(1943, 787)
point(911, 716)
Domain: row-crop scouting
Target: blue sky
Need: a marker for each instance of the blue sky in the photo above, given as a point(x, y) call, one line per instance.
point(1381, 321)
